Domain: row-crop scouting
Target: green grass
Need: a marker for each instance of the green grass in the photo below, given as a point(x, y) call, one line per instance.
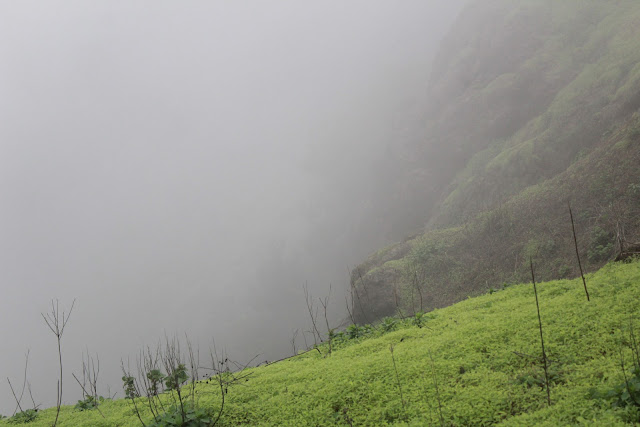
point(479, 348)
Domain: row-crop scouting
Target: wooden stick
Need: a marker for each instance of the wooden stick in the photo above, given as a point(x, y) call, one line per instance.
point(544, 355)
point(575, 241)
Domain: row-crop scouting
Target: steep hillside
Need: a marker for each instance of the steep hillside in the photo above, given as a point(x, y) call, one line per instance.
point(535, 104)
point(472, 364)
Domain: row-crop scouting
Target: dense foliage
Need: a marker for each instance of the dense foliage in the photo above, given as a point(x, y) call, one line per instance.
point(24, 417)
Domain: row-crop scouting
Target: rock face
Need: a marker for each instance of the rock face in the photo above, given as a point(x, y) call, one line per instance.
point(628, 252)
point(373, 298)
point(534, 104)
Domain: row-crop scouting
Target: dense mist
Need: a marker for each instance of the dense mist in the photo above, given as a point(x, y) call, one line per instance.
point(187, 167)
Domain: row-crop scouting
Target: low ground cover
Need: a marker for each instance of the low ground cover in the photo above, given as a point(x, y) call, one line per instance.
point(477, 362)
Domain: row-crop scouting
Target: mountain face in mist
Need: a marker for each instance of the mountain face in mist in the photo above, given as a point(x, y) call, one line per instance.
point(533, 105)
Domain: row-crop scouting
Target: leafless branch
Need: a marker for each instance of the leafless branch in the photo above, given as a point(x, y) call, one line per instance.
point(309, 301)
point(57, 324)
point(14, 396)
point(324, 304)
point(293, 341)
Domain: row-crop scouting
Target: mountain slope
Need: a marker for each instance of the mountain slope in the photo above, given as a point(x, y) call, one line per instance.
point(534, 105)
point(482, 352)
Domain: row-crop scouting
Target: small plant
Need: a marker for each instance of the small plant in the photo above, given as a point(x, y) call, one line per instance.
point(418, 319)
point(129, 386)
point(170, 372)
point(24, 417)
point(88, 403)
point(90, 372)
point(535, 377)
point(177, 377)
point(354, 331)
point(388, 324)
point(624, 394)
point(188, 416)
point(155, 378)
point(25, 385)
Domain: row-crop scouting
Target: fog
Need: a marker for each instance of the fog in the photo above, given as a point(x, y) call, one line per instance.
point(187, 166)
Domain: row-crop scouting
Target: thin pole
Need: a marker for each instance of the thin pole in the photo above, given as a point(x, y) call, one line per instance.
point(575, 242)
point(544, 354)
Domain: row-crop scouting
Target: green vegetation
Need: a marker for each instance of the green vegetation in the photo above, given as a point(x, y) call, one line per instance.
point(595, 89)
point(538, 106)
point(188, 416)
point(475, 363)
point(24, 417)
point(494, 246)
point(89, 402)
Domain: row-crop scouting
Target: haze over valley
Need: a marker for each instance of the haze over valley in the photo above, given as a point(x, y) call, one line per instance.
point(188, 167)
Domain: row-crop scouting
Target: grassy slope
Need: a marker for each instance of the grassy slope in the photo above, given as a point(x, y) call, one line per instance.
point(481, 380)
